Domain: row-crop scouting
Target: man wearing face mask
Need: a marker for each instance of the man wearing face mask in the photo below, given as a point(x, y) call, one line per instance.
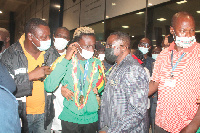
point(176, 77)
point(144, 46)
point(124, 100)
point(100, 53)
point(78, 72)
point(24, 61)
point(61, 38)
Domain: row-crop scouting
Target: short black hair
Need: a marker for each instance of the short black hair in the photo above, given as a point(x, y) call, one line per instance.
point(122, 36)
point(32, 24)
point(64, 28)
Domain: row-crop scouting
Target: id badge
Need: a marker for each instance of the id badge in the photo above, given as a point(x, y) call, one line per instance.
point(170, 82)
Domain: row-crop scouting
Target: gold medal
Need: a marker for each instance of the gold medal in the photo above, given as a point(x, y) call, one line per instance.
point(81, 99)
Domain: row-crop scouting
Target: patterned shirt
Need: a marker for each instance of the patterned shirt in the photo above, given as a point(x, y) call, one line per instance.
point(176, 106)
point(124, 100)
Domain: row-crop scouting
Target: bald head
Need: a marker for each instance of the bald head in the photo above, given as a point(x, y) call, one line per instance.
point(5, 37)
point(181, 16)
point(145, 40)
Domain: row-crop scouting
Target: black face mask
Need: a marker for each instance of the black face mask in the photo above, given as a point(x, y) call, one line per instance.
point(109, 54)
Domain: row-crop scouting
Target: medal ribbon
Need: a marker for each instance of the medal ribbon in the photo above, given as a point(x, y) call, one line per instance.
point(85, 75)
point(174, 67)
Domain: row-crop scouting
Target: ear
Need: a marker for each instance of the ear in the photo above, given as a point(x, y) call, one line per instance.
point(171, 30)
point(29, 36)
point(7, 39)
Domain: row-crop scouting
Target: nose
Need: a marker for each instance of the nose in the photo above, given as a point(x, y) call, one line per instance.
point(188, 34)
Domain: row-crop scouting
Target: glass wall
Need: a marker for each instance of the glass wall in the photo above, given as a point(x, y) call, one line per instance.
point(158, 22)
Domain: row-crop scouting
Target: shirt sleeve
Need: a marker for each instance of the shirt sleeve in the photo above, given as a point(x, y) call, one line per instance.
point(136, 89)
point(53, 80)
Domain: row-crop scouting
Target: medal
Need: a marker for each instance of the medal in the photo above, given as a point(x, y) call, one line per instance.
point(81, 99)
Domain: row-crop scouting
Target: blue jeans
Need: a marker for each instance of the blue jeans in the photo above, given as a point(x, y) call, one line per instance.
point(36, 124)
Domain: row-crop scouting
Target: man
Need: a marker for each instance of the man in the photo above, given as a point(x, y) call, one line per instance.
point(124, 100)
point(100, 53)
point(61, 39)
point(176, 77)
point(24, 61)
point(78, 71)
point(5, 38)
point(144, 46)
point(9, 121)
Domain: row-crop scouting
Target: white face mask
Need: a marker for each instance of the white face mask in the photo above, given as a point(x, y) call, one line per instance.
point(44, 45)
point(154, 56)
point(185, 42)
point(143, 50)
point(86, 54)
point(60, 43)
point(101, 57)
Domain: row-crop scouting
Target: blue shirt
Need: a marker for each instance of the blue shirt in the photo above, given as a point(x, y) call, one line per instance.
point(9, 118)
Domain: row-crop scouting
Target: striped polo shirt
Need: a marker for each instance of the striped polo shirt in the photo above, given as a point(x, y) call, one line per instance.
point(176, 106)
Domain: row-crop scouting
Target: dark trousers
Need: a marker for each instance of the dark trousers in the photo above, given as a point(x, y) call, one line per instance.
point(70, 127)
point(160, 130)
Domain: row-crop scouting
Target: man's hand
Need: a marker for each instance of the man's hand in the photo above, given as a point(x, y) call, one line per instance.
point(72, 49)
point(188, 129)
point(67, 93)
point(198, 100)
point(102, 131)
point(153, 87)
point(39, 72)
point(95, 90)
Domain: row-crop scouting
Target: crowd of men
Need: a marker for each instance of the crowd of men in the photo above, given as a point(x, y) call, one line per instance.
point(84, 86)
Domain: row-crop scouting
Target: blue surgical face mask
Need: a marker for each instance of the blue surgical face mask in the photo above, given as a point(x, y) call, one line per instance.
point(44, 45)
point(154, 56)
point(143, 50)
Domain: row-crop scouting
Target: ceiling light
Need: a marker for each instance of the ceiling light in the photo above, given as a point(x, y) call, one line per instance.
point(113, 4)
point(1, 12)
point(150, 4)
point(140, 13)
point(102, 22)
point(125, 27)
point(163, 35)
point(181, 2)
point(132, 36)
point(153, 40)
point(57, 6)
point(43, 19)
point(197, 31)
point(198, 11)
point(161, 19)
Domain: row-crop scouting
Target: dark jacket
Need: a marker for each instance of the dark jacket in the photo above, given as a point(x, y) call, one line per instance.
point(14, 59)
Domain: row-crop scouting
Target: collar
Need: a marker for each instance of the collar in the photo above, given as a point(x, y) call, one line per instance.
point(171, 47)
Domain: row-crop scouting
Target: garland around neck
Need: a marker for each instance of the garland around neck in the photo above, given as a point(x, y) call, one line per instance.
point(76, 90)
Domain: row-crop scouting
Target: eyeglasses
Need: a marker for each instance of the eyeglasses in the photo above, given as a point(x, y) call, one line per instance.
point(110, 45)
point(142, 44)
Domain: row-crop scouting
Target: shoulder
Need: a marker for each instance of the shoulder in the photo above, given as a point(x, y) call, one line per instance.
point(11, 51)
point(132, 65)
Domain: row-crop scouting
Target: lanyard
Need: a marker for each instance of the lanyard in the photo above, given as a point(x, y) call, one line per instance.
point(85, 75)
point(174, 67)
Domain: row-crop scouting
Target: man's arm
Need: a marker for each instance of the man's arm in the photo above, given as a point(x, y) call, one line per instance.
point(136, 89)
point(153, 87)
point(53, 80)
point(194, 124)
